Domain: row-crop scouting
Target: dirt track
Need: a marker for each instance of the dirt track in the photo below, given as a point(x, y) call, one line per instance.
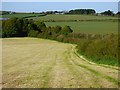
point(30, 62)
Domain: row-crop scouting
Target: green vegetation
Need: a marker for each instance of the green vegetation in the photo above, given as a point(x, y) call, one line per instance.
point(42, 63)
point(98, 47)
point(22, 15)
point(82, 11)
point(35, 62)
point(94, 27)
point(102, 51)
point(20, 27)
point(16, 27)
point(109, 13)
point(4, 12)
point(67, 17)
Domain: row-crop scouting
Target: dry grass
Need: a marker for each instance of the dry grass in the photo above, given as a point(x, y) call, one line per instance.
point(0, 63)
point(39, 63)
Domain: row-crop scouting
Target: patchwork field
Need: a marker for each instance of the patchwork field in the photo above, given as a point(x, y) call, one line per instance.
point(72, 17)
point(75, 22)
point(89, 27)
point(40, 63)
point(21, 15)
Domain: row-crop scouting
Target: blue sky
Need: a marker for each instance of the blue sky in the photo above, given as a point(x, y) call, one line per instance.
point(46, 6)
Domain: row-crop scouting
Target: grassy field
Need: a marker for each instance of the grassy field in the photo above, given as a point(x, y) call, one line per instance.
point(72, 17)
point(21, 15)
point(97, 27)
point(0, 63)
point(89, 27)
point(40, 63)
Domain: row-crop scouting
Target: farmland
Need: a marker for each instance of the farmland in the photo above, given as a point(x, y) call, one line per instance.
point(79, 23)
point(21, 15)
point(72, 17)
point(83, 23)
point(40, 63)
point(89, 27)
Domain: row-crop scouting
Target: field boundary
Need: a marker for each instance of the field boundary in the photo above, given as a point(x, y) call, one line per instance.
point(85, 59)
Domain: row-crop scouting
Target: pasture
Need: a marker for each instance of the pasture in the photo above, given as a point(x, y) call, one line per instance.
point(83, 23)
point(92, 27)
point(75, 22)
point(72, 17)
point(21, 15)
point(40, 63)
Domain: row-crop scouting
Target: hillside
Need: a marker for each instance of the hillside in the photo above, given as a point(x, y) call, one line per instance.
point(40, 63)
point(91, 27)
point(72, 17)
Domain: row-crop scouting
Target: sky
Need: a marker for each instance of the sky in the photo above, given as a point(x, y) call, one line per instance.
point(48, 6)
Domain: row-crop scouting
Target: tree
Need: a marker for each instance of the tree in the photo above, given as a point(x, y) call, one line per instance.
point(110, 13)
point(82, 11)
point(33, 33)
point(41, 27)
point(17, 27)
point(118, 13)
point(57, 29)
point(4, 12)
point(10, 28)
point(66, 30)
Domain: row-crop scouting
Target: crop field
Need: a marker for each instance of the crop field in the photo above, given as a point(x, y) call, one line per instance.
point(40, 63)
point(93, 27)
point(72, 17)
point(21, 15)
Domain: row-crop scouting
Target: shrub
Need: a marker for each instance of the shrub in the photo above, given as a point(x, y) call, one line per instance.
point(33, 33)
point(66, 30)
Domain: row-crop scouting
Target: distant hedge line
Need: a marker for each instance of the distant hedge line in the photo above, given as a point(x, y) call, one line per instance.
point(99, 20)
point(98, 48)
point(34, 16)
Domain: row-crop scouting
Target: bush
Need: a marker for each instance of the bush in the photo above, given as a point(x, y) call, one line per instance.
point(103, 51)
point(66, 30)
point(60, 38)
point(33, 33)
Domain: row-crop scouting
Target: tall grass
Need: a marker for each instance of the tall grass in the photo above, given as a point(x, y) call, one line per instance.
point(102, 51)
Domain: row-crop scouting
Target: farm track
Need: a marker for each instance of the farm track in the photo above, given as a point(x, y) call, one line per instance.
point(39, 63)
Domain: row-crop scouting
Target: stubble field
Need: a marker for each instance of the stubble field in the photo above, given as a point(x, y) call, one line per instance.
point(40, 63)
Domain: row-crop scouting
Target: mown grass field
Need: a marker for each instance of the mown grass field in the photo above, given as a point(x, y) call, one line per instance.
point(92, 27)
point(72, 17)
point(21, 15)
point(40, 63)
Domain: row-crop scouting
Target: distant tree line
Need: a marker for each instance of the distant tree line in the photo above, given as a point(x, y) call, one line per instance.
point(109, 13)
point(82, 11)
point(75, 11)
point(4, 12)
